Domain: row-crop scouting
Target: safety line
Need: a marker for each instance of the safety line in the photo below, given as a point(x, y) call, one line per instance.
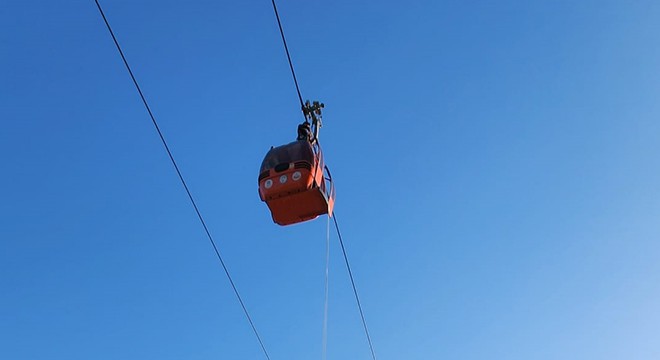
point(183, 181)
point(357, 298)
point(325, 306)
point(288, 56)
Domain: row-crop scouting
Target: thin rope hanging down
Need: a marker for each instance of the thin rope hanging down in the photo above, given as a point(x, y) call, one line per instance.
point(183, 182)
point(325, 306)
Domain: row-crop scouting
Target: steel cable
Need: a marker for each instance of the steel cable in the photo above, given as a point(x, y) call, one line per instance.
point(357, 298)
point(183, 182)
point(288, 56)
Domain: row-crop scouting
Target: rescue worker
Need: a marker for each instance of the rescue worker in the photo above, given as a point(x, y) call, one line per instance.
point(304, 132)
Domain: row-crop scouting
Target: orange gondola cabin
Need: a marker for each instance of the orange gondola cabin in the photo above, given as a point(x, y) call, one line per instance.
point(293, 179)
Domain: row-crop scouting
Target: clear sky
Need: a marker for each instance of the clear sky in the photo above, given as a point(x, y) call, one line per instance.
point(497, 166)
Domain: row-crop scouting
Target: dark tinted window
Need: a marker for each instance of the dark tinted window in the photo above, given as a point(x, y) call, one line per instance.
point(295, 151)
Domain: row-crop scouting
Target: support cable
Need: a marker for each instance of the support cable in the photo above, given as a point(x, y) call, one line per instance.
point(288, 56)
point(357, 298)
point(183, 182)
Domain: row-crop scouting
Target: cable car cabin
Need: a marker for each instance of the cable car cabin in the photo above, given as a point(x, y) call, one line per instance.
point(295, 183)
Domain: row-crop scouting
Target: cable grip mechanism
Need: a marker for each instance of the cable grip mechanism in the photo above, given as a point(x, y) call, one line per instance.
point(312, 112)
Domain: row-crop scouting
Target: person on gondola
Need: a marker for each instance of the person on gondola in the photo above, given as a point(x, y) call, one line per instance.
point(304, 132)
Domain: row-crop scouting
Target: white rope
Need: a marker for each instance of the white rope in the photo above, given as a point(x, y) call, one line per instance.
point(325, 309)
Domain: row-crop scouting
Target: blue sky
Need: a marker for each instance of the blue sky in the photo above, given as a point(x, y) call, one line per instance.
point(496, 163)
